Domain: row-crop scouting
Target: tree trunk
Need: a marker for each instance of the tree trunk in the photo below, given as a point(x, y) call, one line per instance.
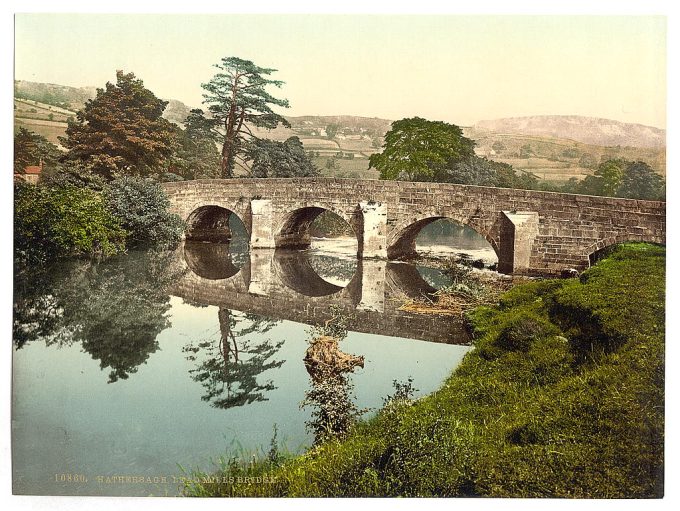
point(228, 156)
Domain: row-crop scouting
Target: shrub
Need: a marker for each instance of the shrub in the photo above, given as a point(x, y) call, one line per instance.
point(142, 208)
point(55, 221)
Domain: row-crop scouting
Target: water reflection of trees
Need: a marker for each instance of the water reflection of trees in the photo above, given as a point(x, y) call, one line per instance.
point(231, 363)
point(115, 308)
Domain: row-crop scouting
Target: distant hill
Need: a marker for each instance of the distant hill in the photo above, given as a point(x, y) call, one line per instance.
point(176, 111)
point(70, 98)
point(554, 148)
point(74, 98)
point(588, 130)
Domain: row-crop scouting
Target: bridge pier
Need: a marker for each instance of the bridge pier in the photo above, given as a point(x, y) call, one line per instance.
point(518, 232)
point(261, 278)
point(372, 275)
point(370, 226)
point(262, 224)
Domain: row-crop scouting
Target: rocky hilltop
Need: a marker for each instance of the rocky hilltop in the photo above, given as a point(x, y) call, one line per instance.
point(588, 130)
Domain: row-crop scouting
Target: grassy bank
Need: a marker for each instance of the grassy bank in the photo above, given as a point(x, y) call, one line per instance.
point(562, 397)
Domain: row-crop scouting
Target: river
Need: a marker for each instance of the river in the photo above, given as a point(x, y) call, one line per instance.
point(131, 372)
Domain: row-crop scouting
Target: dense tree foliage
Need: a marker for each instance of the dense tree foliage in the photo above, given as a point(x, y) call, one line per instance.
point(141, 206)
point(237, 98)
point(65, 217)
point(416, 149)
point(280, 159)
point(32, 149)
point(622, 178)
point(639, 181)
point(196, 155)
point(55, 221)
point(478, 171)
point(121, 131)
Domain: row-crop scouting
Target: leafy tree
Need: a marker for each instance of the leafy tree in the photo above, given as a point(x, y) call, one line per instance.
point(332, 130)
point(610, 174)
point(237, 98)
point(526, 151)
point(498, 146)
point(54, 221)
point(280, 159)
point(121, 131)
point(416, 149)
point(639, 181)
point(142, 209)
point(587, 161)
point(31, 148)
point(469, 171)
point(571, 152)
point(622, 178)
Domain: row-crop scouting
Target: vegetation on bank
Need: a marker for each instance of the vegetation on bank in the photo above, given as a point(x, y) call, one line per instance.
point(62, 219)
point(561, 397)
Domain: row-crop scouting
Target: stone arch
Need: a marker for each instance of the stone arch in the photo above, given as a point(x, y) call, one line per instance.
point(590, 254)
point(210, 222)
point(293, 229)
point(402, 241)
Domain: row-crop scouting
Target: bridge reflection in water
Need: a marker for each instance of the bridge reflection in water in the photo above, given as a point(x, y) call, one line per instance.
point(290, 285)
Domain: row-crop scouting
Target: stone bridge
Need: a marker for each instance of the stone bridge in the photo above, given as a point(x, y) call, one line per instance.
point(531, 231)
point(284, 285)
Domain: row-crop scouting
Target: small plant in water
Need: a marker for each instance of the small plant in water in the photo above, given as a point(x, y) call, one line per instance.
point(336, 326)
point(331, 394)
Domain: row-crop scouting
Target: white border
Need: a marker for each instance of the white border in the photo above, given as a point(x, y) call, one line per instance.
point(603, 7)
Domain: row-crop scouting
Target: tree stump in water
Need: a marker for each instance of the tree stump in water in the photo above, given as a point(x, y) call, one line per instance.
point(324, 359)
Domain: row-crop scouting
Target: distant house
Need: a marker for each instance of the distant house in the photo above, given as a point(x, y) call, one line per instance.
point(31, 174)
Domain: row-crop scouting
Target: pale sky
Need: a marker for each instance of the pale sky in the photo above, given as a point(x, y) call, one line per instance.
point(459, 69)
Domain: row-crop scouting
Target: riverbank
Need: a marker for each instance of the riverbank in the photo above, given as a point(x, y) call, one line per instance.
point(561, 397)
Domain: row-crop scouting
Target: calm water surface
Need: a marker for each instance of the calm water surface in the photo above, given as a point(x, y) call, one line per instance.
point(151, 363)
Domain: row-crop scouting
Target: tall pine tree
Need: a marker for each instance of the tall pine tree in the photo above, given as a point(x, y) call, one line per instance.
point(237, 98)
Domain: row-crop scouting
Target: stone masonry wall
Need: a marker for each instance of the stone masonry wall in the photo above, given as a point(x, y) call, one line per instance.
point(570, 227)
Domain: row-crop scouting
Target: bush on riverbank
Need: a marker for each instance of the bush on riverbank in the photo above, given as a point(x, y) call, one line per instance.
point(142, 208)
point(50, 222)
point(66, 218)
point(562, 397)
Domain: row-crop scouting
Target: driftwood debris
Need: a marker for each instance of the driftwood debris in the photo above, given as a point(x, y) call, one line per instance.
point(324, 359)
